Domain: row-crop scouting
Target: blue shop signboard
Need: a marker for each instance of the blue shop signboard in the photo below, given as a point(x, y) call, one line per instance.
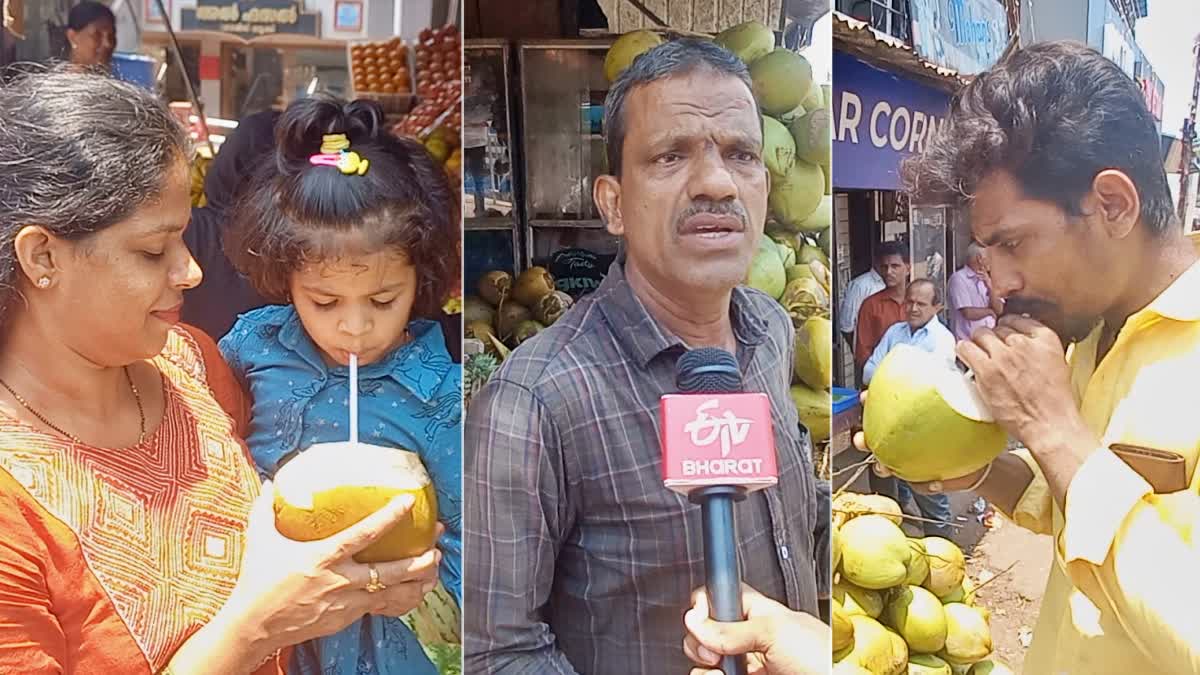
point(879, 118)
point(966, 35)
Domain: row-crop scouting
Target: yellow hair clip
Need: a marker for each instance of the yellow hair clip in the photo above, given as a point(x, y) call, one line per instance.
point(335, 152)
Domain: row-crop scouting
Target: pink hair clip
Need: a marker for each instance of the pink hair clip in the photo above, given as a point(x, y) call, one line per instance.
point(335, 152)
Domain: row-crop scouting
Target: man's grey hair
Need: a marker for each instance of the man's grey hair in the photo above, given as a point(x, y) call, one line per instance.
point(677, 57)
point(975, 250)
point(937, 292)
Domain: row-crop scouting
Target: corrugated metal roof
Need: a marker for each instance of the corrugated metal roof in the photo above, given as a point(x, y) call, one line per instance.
point(860, 39)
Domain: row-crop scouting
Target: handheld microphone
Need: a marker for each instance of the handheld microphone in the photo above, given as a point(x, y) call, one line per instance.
point(717, 448)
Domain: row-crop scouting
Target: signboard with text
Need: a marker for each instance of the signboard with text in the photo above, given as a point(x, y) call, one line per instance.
point(879, 118)
point(966, 35)
point(251, 18)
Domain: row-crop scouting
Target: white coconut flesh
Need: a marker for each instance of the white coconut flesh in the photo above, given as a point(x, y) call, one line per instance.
point(326, 466)
point(925, 371)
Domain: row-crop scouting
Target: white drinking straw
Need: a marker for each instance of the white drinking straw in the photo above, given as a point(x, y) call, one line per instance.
point(354, 398)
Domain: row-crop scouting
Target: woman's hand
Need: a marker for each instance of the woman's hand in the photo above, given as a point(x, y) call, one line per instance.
point(292, 591)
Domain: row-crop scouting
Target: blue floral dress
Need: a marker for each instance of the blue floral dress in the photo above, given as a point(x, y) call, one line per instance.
point(411, 399)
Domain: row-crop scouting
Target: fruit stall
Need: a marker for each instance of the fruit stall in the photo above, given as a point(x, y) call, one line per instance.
point(903, 604)
point(419, 86)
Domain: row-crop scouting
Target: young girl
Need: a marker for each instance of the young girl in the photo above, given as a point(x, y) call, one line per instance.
point(351, 230)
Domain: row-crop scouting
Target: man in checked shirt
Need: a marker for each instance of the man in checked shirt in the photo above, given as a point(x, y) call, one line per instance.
point(578, 560)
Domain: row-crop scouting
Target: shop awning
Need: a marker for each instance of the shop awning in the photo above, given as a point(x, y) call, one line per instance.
point(861, 40)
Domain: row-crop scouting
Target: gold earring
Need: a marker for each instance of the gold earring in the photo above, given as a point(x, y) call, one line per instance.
point(44, 282)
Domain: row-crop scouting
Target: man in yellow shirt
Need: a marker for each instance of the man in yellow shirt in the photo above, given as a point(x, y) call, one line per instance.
point(1056, 158)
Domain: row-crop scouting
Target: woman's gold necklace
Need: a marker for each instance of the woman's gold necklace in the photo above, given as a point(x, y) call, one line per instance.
point(132, 387)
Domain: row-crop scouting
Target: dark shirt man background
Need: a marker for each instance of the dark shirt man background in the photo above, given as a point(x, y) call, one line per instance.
point(885, 308)
point(578, 560)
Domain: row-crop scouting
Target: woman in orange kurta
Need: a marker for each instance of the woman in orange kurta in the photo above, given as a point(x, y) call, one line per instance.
point(133, 539)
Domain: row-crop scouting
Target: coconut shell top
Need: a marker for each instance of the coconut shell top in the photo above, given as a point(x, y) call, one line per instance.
point(532, 285)
point(331, 486)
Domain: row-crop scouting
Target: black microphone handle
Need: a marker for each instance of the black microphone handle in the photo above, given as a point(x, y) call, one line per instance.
point(723, 576)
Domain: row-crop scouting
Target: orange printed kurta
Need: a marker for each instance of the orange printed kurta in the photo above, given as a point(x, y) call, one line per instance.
point(111, 559)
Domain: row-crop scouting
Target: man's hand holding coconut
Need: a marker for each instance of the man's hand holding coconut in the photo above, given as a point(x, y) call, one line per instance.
point(1021, 378)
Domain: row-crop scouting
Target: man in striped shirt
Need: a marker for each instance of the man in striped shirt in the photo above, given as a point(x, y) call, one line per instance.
point(578, 560)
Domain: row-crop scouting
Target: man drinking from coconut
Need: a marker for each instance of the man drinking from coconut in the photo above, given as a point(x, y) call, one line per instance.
point(578, 559)
point(1056, 159)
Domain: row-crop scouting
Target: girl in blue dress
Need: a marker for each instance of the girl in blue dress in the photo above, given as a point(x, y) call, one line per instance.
point(351, 231)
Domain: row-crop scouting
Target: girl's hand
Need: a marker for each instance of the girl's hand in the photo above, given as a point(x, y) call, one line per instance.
point(289, 591)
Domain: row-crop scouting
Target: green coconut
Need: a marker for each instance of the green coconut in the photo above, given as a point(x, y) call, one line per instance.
point(843, 628)
point(779, 149)
point(835, 548)
point(918, 564)
point(917, 615)
point(795, 195)
point(797, 271)
point(812, 405)
point(827, 174)
point(925, 421)
point(964, 593)
point(804, 297)
point(781, 80)
point(875, 552)
point(850, 505)
point(927, 664)
point(627, 48)
point(750, 41)
point(990, 667)
point(813, 136)
point(476, 309)
point(813, 362)
point(875, 648)
point(814, 99)
point(786, 251)
point(825, 238)
point(767, 272)
point(947, 566)
point(968, 637)
point(820, 220)
point(809, 253)
point(856, 600)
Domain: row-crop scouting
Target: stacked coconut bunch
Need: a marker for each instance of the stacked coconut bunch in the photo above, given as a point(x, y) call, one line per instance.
point(792, 262)
point(506, 312)
point(902, 605)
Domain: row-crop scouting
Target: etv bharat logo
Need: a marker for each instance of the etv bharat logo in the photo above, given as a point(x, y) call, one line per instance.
point(705, 430)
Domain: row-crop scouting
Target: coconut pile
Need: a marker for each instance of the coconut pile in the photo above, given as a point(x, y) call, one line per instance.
point(506, 312)
point(902, 605)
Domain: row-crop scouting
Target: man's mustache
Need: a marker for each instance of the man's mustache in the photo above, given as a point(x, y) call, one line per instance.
point(708, 206)
point(1034, 307)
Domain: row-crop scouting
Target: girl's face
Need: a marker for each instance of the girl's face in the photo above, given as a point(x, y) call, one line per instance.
point(357, 304)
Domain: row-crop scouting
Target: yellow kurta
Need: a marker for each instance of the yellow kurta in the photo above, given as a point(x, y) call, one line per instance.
point(1122, 596)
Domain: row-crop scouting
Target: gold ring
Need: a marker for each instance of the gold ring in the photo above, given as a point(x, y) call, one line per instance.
point(374, 585)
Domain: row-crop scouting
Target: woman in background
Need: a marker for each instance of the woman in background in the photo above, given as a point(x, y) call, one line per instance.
point(92, 34)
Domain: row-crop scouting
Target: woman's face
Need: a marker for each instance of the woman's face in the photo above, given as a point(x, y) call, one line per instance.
point(117, 293)
point(94, 44)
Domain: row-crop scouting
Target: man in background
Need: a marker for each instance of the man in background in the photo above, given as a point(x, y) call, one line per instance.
point(886, 307)
point(859, 289)
point(972, 303)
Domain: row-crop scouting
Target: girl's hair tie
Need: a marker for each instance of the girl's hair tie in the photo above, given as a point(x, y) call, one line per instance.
point(335, 152)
